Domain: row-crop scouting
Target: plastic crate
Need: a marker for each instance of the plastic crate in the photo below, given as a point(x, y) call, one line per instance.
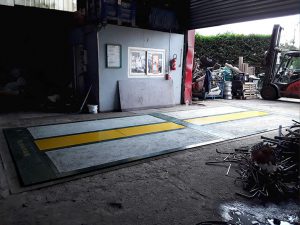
point(109, 11)
point(126, 5)
point(127, 12)
point(113, 2)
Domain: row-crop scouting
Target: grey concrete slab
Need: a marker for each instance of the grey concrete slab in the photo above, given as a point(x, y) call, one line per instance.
point(280, 107)
point(94, 125)
point(204, 112)
point(74, 158)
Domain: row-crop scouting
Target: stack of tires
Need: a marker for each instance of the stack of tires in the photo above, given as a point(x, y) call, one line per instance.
point(227, 90)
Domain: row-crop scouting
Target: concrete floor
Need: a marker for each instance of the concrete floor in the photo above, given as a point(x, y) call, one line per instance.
point(172, 189)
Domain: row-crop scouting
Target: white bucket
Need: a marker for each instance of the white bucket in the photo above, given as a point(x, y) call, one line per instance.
point(93, 109)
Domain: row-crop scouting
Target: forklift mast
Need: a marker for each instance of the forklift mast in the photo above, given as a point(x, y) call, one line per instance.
point(271, 55)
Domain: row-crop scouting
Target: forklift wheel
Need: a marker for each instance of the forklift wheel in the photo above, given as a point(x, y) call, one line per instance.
point(269, 93)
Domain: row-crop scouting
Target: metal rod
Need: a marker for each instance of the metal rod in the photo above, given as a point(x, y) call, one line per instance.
point(293, 132)
point(228, 169)
point(247, 196)
point(217, 162)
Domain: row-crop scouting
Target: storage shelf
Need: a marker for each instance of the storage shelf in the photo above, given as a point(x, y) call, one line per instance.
point(111, 11)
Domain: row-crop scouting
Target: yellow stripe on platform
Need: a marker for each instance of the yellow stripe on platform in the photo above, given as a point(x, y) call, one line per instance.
point(226, 117)
point(98, 136)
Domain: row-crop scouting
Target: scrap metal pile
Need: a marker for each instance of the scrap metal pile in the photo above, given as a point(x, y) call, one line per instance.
point(211, 80)
point(269, 169)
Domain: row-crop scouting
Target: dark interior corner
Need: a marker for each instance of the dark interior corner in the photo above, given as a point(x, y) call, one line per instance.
point(37, 45)
point(150, 14)
point(34, 46)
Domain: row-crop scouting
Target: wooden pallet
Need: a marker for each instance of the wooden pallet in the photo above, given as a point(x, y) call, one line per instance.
point(249, 86)
point(247, 90)
point(246, 96)
point(249, 95)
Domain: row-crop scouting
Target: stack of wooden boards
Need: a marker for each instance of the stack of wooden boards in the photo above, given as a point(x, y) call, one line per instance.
point(249, 90)
point(241, 87)
point(244, 90)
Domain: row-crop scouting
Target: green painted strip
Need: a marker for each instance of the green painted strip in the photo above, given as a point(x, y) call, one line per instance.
point(32, 165)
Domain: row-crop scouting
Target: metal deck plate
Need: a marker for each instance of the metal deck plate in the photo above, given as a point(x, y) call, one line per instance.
point(44, 153)
point(189, 114)
point(88, 126)
point(125, 150)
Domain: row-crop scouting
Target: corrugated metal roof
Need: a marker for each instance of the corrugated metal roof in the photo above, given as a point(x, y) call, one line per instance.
point(208, 13)
point(64, 5)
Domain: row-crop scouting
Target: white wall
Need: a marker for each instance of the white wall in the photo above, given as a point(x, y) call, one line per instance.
point(135, 37)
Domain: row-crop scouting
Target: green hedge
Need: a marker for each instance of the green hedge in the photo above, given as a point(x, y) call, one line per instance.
point(228, 47)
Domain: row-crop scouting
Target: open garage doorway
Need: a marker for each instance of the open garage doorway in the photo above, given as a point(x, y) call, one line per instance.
point(237, 58)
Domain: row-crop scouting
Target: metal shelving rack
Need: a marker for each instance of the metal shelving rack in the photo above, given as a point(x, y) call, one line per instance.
point(111, 11)
point(216, 83)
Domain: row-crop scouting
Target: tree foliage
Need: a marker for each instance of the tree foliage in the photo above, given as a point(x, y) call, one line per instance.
point(226, 48)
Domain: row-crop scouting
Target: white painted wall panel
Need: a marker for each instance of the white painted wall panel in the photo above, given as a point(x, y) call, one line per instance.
point(139, 38)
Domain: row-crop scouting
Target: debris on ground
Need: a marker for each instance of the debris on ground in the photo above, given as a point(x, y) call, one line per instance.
point(269, 169)
point(239, 213)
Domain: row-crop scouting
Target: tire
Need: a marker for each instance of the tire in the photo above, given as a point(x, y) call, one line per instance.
point(269, 93)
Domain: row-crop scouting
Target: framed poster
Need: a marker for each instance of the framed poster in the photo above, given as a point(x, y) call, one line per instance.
point(146, 62)
point(155, 62)
point(137, 62)
point(113, 56)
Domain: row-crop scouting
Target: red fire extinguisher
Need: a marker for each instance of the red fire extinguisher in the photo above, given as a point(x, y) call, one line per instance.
point(173, 62)
point(168, 77)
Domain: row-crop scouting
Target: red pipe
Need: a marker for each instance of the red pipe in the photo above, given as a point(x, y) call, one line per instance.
point(189, 66)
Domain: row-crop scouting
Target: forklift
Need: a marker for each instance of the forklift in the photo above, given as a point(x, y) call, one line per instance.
point(284, 80)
